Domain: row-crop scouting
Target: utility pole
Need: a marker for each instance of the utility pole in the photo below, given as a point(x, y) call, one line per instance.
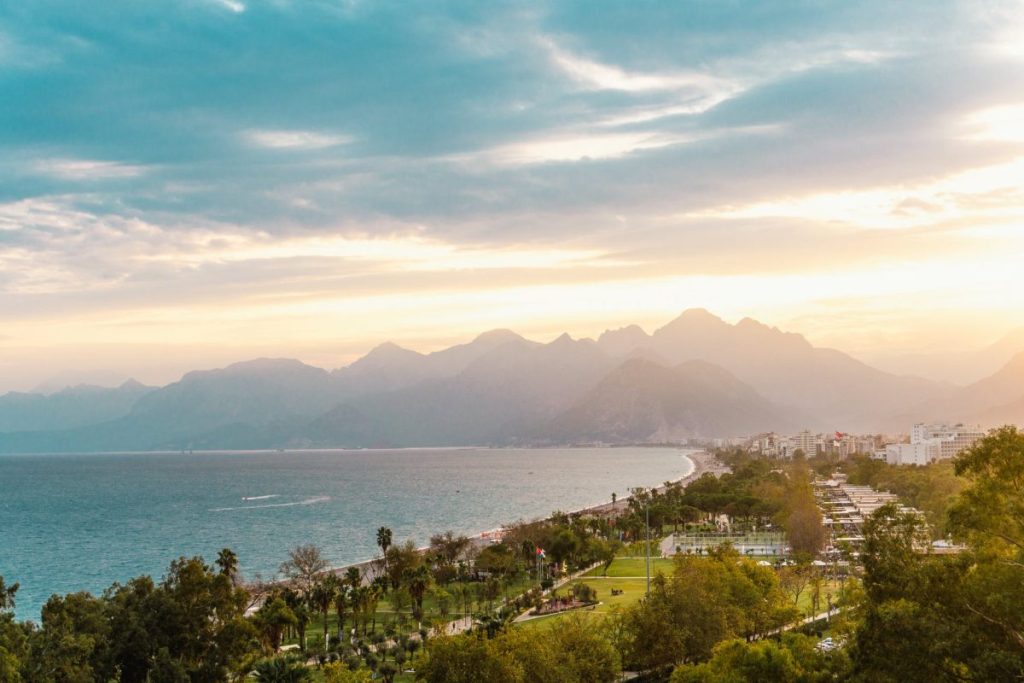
point(647, 511)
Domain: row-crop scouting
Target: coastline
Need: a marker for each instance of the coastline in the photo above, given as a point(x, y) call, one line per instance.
point(703, 462)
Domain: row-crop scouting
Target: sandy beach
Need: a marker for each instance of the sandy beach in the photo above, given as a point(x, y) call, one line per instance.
point(703, 462)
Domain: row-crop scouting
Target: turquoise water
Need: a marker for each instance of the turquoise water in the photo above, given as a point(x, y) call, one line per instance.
point(81, 522)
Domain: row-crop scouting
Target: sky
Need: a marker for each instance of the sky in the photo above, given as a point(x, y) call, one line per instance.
point(185, 184)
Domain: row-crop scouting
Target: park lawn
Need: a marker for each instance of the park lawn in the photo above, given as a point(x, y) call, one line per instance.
point(805, 604)
point(632, 590)
point(634, 566)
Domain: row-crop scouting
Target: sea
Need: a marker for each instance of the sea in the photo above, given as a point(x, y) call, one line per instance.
point(82, 522)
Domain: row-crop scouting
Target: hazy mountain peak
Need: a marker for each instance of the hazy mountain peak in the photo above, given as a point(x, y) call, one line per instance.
point(563, 339)
point(257, 365)
point(72, 378)
point(641, 400)
point(498, 336)
point(693, 321)
point(387, 354)
point(390, 349)
point(756, 324)
point(700, 315)
point(623, 341)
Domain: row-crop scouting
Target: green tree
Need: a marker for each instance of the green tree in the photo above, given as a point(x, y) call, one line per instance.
point(588, 653)
point(418, 581)
point(281, 670)
point(805, 531)
point(384, 541)
point(467, 659)
point(796, 659)
point(321, 597)
point(13, 638)
point(227, 562)
point(336, 672)
point(705, 601)
point(342, 595)
point(401, 558)
point(272, 618)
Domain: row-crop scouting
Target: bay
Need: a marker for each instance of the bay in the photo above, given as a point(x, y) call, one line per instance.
point(84, 521)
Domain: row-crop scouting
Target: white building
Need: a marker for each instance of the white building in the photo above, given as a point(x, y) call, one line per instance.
point(804, 441)
point(951, 441)
point(912, 453)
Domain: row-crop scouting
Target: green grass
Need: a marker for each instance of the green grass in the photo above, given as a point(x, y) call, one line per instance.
point(634, 566)
point(632, 590)
point(625, 573)
point(805, 604)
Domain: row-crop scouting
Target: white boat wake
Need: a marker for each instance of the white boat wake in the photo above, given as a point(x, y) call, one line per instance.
point(308, 501)
point(272, 495)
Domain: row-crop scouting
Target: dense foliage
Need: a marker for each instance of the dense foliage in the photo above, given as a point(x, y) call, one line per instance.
point(715, 617)
point(704, 601)
point(188, 627)
point(574, 651)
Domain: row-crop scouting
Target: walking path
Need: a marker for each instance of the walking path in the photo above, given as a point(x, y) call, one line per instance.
point(526, 616)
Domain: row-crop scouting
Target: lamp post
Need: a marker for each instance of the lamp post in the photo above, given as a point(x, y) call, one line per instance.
point(647, 557)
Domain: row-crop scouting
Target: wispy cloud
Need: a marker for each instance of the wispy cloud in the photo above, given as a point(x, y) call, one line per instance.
point(163, 164)
point(577, 147)
point(594, 74)
point(235, 6)
point(1003, 123)
point(294, 139)
point(86, 169)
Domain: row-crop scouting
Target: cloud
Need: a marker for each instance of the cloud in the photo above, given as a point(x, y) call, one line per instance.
point(86, 169)
point(1003, 123)
point(294, 139)
point(159, 159)
point(608, 77)
point(568, 147)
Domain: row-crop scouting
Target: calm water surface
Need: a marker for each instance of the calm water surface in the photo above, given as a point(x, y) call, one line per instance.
point(81, 522)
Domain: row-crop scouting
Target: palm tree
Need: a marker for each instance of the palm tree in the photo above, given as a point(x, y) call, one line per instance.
point(353, 577)
point(301, 621)
point(272, 619)
point(373, 595)
point(281, 670)
point(418, 581)
point(341, 602)
point(227, 561)
point(388, 671)
point(322, 595)
point(384, 538)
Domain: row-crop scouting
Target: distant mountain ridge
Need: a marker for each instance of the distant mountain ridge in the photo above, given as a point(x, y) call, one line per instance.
point(641, 400)
point(74, 406)
point(697, 376)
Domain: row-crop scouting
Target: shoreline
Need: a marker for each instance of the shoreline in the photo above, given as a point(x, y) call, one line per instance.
point(703, 462)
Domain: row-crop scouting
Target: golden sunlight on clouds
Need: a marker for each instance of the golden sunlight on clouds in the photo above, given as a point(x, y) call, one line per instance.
point(543, 309)
point(394, 253)
point(573, 147)
point(989, 192)
point(1005, 123)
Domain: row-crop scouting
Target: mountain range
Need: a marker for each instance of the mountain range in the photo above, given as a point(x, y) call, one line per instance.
point(696, 377)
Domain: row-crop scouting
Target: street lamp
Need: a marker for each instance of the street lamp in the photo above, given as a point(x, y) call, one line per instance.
point(647, 513)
